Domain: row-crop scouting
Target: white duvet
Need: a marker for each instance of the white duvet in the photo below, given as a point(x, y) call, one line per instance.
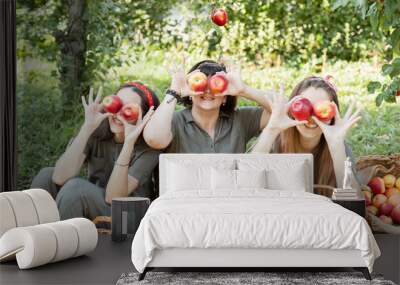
point(253, 218)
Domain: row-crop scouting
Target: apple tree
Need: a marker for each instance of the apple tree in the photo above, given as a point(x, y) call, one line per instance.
point(384, 16)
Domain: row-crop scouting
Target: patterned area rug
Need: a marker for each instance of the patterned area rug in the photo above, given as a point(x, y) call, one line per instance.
point(231, 278)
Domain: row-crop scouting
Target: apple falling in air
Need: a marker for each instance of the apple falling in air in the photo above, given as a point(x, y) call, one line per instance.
point(217, 84)
point(324, 110)
point(197, 81)
point(301, 109)
point(219, 17)
point(112, 104)
point(130, 112)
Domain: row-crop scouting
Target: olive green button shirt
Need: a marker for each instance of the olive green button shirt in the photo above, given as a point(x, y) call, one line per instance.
point(232, 132)
point(101, 156)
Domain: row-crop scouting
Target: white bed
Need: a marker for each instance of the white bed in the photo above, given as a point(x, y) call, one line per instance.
point(203, 219)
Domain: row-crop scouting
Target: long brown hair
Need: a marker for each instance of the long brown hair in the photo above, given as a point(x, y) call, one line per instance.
point(289, 140)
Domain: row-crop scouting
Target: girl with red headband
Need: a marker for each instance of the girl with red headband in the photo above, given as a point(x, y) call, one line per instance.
point(119, 161)
point(324, 139)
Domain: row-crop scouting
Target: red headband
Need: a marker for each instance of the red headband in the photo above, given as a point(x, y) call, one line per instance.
point(144, 89)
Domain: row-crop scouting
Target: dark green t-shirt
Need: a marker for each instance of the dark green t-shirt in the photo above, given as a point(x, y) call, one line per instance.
point(102, 154)
point(232, 132)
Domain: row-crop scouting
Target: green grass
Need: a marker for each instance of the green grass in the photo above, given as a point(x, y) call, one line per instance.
point(42, 136)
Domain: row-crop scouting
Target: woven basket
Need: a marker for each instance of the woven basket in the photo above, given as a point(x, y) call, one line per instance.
point(378, 165)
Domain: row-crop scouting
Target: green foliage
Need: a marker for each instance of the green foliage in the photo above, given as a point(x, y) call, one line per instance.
point(384, 16)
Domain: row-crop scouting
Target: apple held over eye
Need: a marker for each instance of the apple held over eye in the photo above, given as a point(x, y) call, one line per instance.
point(112, 104)
point(217, 84)
point(197, 81)
point(219, 17)
point(377, 185)
point(130, 112)
point(324, 110)
point(301, 109)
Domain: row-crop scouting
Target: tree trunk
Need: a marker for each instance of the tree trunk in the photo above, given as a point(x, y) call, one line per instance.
point(72, 43)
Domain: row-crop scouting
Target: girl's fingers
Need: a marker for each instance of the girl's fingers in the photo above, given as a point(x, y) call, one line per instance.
point(356, 113)
point(98, 96)
point(349, 110)
point(84, 102)
point(298, 123)
point(91, 95)
point(337, 113)
point(105, 115)
point(122, 119)
point(318, 122)
point(354, 121)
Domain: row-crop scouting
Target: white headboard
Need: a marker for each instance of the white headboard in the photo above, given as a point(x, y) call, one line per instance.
point(266, 160)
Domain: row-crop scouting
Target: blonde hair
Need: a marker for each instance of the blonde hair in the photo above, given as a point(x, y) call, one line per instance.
point(289, 140)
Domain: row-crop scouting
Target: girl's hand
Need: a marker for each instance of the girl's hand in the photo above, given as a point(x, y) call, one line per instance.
point(179, 79)
point(336, 133)
point(280, 120)
point(132, 132)
point(93, 115)
point(236, 86)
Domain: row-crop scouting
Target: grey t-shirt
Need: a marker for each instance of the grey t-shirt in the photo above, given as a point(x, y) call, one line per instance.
point(232, 132)
point(101, 156)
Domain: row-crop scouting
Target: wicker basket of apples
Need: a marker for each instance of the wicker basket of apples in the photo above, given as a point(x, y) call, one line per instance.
point(381, 178)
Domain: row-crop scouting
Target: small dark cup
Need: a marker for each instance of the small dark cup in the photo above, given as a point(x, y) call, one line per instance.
point(126, 214)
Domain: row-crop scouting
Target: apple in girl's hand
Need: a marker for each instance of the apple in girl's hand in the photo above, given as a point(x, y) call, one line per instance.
point(385, 209)
point(219, 17)
point(197, 81)
point(372, 210)
point(378, 200)
point(386, 220)
point(324, 110)
point(217, 84)
point(394, 199)
point(130, 112)
point(389, 180)
point(389, 192)
point(368, 197)
point(377, 185)
point(396, 214)
point(301, 109)
point(112, 104)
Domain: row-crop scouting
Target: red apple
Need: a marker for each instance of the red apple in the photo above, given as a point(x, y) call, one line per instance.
point(377, 185)
point(368, 197)
point(130, 112)
point(378, 200)
point(396, 214)
point(112, 104)
point(324, 110)
point(389, 180)
point(386, 220)
point(197, 81)
point(385, 209)
point(394, 199)
point(217, 83)
point(301, 109)
point(372, 210)
point(389, 192)
point(219, 17)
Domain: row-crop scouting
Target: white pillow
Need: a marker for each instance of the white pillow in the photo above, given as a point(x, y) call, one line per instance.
point(223, 179)
point(281, 174)
point(187, 175)
point(251, 178)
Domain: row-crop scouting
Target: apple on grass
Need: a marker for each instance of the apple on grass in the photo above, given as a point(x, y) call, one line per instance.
point(368, 197)
point(301, 109)
point(389, 180)
point(378, 200)
point(217, 83)
point(385, 209)
point(324, 110)
point(372, 210)
point(377, 185)
point(130, 112)
point(396, 214)
point(197, 81)
point(219, 17)
point(112, 104)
